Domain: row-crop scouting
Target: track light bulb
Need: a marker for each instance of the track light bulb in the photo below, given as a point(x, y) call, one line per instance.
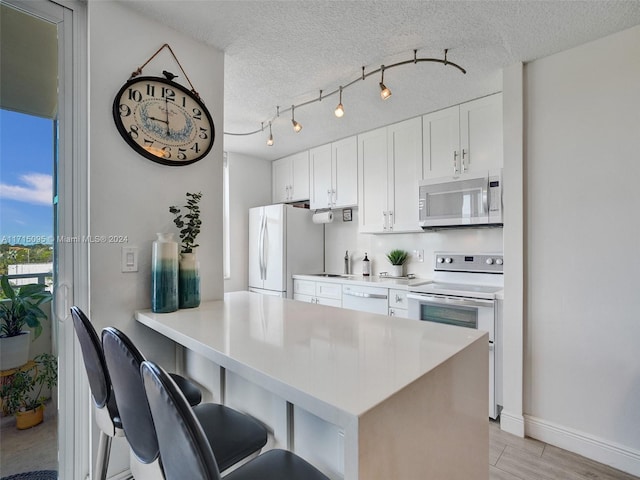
point(384, 91)
point(270, 141)
point(339, 111)
point(296, 126)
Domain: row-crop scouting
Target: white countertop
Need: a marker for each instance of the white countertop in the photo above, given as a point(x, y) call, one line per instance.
point(322, 358)
point(373, 280)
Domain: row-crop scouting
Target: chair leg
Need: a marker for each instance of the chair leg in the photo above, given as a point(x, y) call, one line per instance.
point(102, 461)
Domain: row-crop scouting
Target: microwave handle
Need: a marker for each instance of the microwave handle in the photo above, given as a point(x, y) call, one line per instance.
point(463, 302)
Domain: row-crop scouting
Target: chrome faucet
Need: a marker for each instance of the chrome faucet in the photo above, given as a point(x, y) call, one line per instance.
point(346, 262)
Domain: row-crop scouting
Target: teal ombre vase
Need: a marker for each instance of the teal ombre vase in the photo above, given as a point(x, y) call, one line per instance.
point(164, 274)
point(189, 281)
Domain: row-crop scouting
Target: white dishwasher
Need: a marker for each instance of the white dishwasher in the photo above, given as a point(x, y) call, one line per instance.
point(365, 299)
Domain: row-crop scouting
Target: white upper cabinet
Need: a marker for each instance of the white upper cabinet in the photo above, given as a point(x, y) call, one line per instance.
point(481, 133)
point(291, 178)
point(464, 138)
point(334, 174)
point(390, 165)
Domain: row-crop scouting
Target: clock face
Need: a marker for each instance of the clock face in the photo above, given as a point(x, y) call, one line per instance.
point(163, 121)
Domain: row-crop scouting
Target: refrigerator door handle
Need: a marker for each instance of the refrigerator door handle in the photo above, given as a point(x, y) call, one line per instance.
point(265, 247)
point(260, 247)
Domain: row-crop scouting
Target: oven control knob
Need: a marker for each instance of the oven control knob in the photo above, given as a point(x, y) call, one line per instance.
point(448, 260)
point(499, 261)
point(489, 261)
point(440, 260)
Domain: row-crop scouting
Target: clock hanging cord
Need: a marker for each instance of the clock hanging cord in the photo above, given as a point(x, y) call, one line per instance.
point(167, 46)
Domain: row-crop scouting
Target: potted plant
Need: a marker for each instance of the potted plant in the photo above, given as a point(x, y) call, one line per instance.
point(22, 395)
point(188, 275)
point(397, 258)
point(21, 308)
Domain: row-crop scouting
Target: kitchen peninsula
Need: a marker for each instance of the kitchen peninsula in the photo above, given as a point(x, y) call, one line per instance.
point(362, 396)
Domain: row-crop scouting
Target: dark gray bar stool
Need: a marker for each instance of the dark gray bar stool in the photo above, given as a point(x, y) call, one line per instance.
point(233, 435)
point(106, 408)
point(184, 447)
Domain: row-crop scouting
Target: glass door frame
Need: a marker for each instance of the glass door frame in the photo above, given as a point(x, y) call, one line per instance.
point(71, 259)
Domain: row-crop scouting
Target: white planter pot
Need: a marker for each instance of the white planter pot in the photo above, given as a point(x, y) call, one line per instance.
point(14, 351)
point(397, 270)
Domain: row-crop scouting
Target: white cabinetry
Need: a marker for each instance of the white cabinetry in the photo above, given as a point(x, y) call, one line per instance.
point(322, 293)
point(390, 165)
point(334, 174)
point(464, 138)
point(398, 303)
point(291, 178)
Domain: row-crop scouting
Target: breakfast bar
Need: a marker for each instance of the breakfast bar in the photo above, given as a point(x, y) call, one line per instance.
point(361, 396)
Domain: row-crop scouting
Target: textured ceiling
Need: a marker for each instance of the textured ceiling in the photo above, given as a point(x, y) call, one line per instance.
point(284, 52)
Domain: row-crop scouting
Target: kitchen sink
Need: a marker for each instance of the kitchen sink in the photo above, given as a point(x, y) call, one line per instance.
point(328, 275)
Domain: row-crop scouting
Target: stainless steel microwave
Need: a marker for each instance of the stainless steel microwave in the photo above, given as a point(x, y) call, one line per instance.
point(468, 199)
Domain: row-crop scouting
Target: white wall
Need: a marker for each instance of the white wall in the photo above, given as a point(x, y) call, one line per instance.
point(130, 195)
point(341, 236)
point(249, 186)
point(582, 364)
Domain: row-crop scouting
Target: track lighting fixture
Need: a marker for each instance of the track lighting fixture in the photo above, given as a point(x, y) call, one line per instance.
point(270, 141)
point(296, 126)
point(339, 111)
point(384, 91)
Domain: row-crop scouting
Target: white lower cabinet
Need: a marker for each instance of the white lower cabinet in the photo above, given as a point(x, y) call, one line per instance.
point(398, 303)
point(350, 295)
point(321, 293)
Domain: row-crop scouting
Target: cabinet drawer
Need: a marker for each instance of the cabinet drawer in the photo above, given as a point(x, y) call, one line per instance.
point(329, 290)
point(332, 302)
point(398, 298)
point(399, 312)
point(304, 287)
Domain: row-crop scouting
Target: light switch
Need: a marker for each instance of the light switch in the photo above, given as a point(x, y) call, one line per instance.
point(129, 260)
point(418, 255)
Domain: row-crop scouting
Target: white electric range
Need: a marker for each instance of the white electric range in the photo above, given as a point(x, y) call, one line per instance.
point(463, 293)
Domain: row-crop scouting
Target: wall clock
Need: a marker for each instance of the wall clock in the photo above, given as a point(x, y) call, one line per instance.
point(163, 121)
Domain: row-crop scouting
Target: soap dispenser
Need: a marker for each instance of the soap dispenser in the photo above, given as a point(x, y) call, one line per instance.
point(346, 262)
point(366, 266)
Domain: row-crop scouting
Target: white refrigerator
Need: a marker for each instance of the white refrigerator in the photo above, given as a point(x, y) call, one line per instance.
point(283, 241)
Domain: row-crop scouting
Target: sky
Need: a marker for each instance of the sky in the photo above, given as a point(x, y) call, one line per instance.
point(26, 168)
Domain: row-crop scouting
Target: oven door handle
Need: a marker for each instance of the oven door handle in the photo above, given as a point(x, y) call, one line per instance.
point(463, 302)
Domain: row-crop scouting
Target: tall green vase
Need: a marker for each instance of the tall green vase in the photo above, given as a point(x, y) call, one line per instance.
point(189, 281)
point(164, 274)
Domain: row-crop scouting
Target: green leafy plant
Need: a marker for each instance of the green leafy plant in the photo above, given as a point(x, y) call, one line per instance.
point(18, 392)
point(22, 308)
point(189, 223)
point(397, 257)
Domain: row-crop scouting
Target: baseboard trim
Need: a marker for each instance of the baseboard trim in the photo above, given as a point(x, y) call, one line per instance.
point(512, 423)
point(590, 446)
point(126, 475)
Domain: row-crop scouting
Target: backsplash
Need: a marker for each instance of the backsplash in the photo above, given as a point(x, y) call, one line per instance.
point(341, 236)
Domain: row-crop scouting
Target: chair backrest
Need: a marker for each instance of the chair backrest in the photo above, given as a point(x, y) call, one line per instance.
point(184, 449)
point(94, 362)
point(124, 360)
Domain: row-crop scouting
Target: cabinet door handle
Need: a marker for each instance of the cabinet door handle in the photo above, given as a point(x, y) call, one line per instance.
point(398, 298)
point(392, 313)
point(390, 217)
point(329, 197)
point(464, 164)
point(333, 197)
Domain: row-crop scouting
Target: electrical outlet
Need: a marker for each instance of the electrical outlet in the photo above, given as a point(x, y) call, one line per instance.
point(418, 255)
